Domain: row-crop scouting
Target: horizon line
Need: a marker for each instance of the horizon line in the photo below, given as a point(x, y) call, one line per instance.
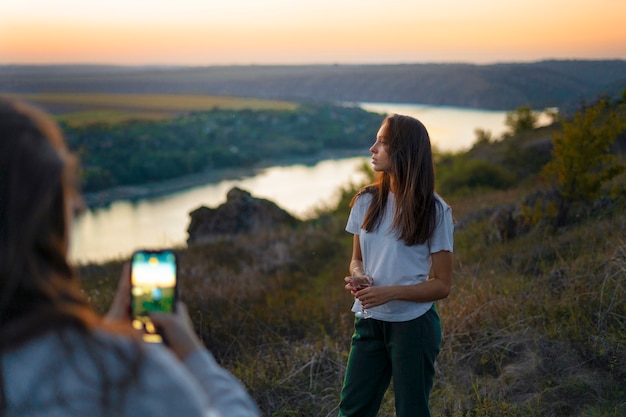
point(311, 64)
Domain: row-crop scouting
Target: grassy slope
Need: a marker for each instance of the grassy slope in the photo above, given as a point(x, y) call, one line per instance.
point(533, 327)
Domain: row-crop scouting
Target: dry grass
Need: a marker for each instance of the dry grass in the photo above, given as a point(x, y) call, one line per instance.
point(536, 326)
point(533, 327)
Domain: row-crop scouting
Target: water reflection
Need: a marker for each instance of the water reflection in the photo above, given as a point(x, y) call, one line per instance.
point(114, 231)
point(453, 128)
point(450, 128)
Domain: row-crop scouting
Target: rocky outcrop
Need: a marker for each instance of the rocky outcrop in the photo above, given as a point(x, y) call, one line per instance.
point(510, 221)
point(240, 214)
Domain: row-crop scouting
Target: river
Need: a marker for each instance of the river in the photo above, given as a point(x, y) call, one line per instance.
point(114, 231)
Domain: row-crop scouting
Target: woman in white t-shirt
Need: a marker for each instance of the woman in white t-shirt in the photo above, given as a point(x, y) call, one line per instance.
point(401, 263)
point(57, 356)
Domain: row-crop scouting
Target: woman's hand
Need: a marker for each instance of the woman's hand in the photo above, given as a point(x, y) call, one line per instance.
point(176, 327)
point(356, 283)
point(120, 308)
point(436, 287)
point(374, 296)
point(178, 331)
point(362, 287)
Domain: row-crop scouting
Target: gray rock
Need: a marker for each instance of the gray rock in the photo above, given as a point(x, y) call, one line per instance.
point(241, 214)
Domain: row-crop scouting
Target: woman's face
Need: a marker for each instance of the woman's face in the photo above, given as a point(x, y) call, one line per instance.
point(381, 162)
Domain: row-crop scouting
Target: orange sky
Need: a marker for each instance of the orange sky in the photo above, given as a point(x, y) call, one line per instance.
point(207, 32)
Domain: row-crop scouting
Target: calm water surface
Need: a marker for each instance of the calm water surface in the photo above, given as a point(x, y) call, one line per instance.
point(450, 128)
point(113, 232)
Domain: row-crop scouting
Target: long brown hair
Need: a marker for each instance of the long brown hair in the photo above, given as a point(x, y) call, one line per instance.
point(38, 288)
point(412, 174)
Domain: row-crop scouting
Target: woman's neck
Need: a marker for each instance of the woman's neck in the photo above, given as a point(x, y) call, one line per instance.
point(392, 185)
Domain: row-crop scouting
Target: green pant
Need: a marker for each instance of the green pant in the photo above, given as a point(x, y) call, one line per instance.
point(404, 351)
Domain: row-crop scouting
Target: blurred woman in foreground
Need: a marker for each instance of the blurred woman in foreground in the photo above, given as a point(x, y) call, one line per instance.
point(58, 357)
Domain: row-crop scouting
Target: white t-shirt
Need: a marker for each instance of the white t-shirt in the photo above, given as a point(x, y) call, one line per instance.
point(389, 261)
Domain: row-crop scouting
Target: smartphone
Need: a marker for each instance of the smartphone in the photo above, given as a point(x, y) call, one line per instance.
point(153, 287)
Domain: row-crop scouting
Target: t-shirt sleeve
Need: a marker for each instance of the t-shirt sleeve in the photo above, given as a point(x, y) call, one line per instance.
point(357, 214)
point(443, 237)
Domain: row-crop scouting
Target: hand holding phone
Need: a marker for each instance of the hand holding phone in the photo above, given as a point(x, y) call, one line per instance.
point(153, 288)
point(178, 331)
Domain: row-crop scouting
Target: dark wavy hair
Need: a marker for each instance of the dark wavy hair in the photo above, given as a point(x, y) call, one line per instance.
point(39, 290)
point(413, 174)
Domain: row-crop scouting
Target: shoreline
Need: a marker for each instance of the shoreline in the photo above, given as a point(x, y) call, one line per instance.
point(103, 198)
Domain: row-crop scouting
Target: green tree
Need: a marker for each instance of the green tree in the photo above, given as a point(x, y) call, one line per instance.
point(521, 120)
point(581, 156)
point(483, 137)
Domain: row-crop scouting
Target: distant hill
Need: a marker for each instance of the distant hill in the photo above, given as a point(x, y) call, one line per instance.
point(503, 86)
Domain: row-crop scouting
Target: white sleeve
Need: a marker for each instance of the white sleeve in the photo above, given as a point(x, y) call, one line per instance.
point(226, 393)
point(443, 237)
point(357, 213)
point(200, 387)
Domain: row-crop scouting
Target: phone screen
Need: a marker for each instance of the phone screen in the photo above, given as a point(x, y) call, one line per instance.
point(153, 288)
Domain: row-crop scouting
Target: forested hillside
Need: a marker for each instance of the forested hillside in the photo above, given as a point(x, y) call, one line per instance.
point(138, 152)
point(503, 86)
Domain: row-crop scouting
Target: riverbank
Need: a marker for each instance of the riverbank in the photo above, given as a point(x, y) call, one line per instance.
point(162, 188)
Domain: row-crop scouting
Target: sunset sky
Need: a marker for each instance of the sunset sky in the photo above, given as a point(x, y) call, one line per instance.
point(209, 32)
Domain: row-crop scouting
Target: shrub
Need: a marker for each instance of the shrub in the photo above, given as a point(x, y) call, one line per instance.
point(581, 158)
point(521, 120)
point(465, 176)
